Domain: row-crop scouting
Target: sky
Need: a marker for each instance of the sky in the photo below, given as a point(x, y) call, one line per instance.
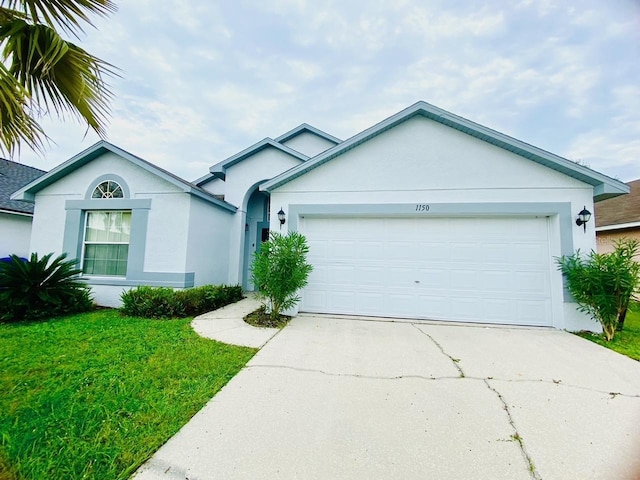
point(203, 80)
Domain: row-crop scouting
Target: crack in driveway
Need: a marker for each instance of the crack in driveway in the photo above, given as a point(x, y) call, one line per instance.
point(516, 435)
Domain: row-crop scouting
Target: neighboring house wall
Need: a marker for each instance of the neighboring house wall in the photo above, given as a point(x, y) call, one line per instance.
point(15, 234)
point(606, 240)
point(308, 144)
point(423, 162)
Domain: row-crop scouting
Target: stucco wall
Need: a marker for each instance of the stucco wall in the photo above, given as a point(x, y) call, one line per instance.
point(168, 217)
point(215, 186)
point(166, 238)
point(241, 180)
point(208, 243)
point(15, 234)
point(309, 144)
point(422, 161)
point(606, 240)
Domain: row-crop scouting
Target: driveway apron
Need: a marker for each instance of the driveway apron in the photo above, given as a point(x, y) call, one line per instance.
point(344, 398)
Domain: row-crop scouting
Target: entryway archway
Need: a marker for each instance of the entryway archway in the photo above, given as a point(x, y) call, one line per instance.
point(256, 231)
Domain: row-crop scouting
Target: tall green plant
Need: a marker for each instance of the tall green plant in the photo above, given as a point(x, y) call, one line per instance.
point(603, 283)
point(41, 287)
point(279, 270)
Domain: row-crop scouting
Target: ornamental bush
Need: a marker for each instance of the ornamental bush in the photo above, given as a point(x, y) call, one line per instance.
point(279, 270)
point(604, 283)
point(165, 302)
point(40, 288)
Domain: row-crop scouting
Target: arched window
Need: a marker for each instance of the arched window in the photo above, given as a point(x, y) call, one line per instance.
point(108, 189)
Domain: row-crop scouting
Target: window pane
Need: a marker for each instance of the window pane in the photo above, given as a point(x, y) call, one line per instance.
point(106, 243)
point(105, 259)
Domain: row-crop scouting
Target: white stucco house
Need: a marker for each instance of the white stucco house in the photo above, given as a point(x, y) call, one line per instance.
point(15, 215)
point(424, 215)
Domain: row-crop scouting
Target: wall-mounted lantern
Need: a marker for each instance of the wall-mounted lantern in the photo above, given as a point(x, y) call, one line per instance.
point(281, 217)
point(583, 217)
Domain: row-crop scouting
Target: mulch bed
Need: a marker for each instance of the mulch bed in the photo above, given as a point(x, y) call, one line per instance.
point(260, 318)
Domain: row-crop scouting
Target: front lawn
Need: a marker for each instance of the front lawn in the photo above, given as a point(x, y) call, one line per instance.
point(627, 341)
point(94, 395)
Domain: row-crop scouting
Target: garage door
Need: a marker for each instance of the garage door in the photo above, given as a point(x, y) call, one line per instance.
point(493, 270)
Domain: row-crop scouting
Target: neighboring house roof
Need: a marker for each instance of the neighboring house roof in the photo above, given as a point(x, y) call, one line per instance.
point(27, 193)
point(620, 212)
point(14, 176)
point(305, 127)
point(604, 186)
point(219, 170)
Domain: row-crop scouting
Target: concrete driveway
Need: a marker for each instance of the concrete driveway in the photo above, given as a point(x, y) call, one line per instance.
point(338, 398)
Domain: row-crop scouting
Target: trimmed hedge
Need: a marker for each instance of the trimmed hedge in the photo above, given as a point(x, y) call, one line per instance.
point(165, 302)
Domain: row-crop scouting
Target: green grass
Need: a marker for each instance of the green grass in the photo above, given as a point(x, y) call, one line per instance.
point(94, 395)
point(627, 341)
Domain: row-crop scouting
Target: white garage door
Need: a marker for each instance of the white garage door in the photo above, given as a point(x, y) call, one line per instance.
point(494, 270)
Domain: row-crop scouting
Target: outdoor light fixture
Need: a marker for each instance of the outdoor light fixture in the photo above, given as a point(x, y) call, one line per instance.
point(281, 217)
point(583, 217)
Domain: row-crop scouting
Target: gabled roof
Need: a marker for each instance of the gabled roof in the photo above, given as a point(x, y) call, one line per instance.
point(27, 193)
point(305, 127)
point(219, 170)
point(604, 186)
point(14, 176)
point(620, 212)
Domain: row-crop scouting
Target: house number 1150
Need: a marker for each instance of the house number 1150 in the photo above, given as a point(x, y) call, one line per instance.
point(422, 207)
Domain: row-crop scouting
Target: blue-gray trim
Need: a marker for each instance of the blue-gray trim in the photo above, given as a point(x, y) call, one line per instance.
point(28, 192)
point(74, 236)
point(106, 177)
point(604, 186)
point(108, 204)
point(305, 127)
point(203, 179)
point(219, 170)
point(439, 210)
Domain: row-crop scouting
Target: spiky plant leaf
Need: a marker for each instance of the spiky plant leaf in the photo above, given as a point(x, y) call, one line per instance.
point(41, 286)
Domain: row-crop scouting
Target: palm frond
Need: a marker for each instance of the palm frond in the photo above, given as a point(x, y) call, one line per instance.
point(57, 74)
point(67, 14)
point(17, 126)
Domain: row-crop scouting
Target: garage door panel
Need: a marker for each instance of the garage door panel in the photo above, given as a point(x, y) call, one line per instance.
point(342, 249)
point(318, 275)
point(368, 276)
point(460, 269)
point(466, 252)
point(368, 250)
point(433, 278)
point(497, 280)
point(342, 275)
point(532, 312)
point(464, 279)
point(533, 283)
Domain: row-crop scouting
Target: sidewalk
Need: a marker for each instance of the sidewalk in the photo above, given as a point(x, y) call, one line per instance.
point(227, 325)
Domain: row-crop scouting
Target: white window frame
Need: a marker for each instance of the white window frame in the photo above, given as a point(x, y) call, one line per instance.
point(85, 243)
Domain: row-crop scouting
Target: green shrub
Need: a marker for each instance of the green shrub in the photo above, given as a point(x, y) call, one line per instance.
point(165, 302)
point(603, 283)
point(39, 288)
point(279, 270)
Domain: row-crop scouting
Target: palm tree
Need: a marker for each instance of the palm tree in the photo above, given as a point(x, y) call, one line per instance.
point(42, 73)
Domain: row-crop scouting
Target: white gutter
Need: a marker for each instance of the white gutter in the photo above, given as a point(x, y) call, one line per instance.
point(12, 212)
point(618, 226)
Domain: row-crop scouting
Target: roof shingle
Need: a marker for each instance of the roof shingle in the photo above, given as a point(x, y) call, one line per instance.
point(620, 210)
point(14, 176)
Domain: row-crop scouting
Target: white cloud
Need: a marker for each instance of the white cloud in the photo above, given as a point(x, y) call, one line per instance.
point(203, 80)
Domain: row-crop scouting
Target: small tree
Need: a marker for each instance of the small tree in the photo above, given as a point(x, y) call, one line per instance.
point(279, 270)
point(603, 283)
